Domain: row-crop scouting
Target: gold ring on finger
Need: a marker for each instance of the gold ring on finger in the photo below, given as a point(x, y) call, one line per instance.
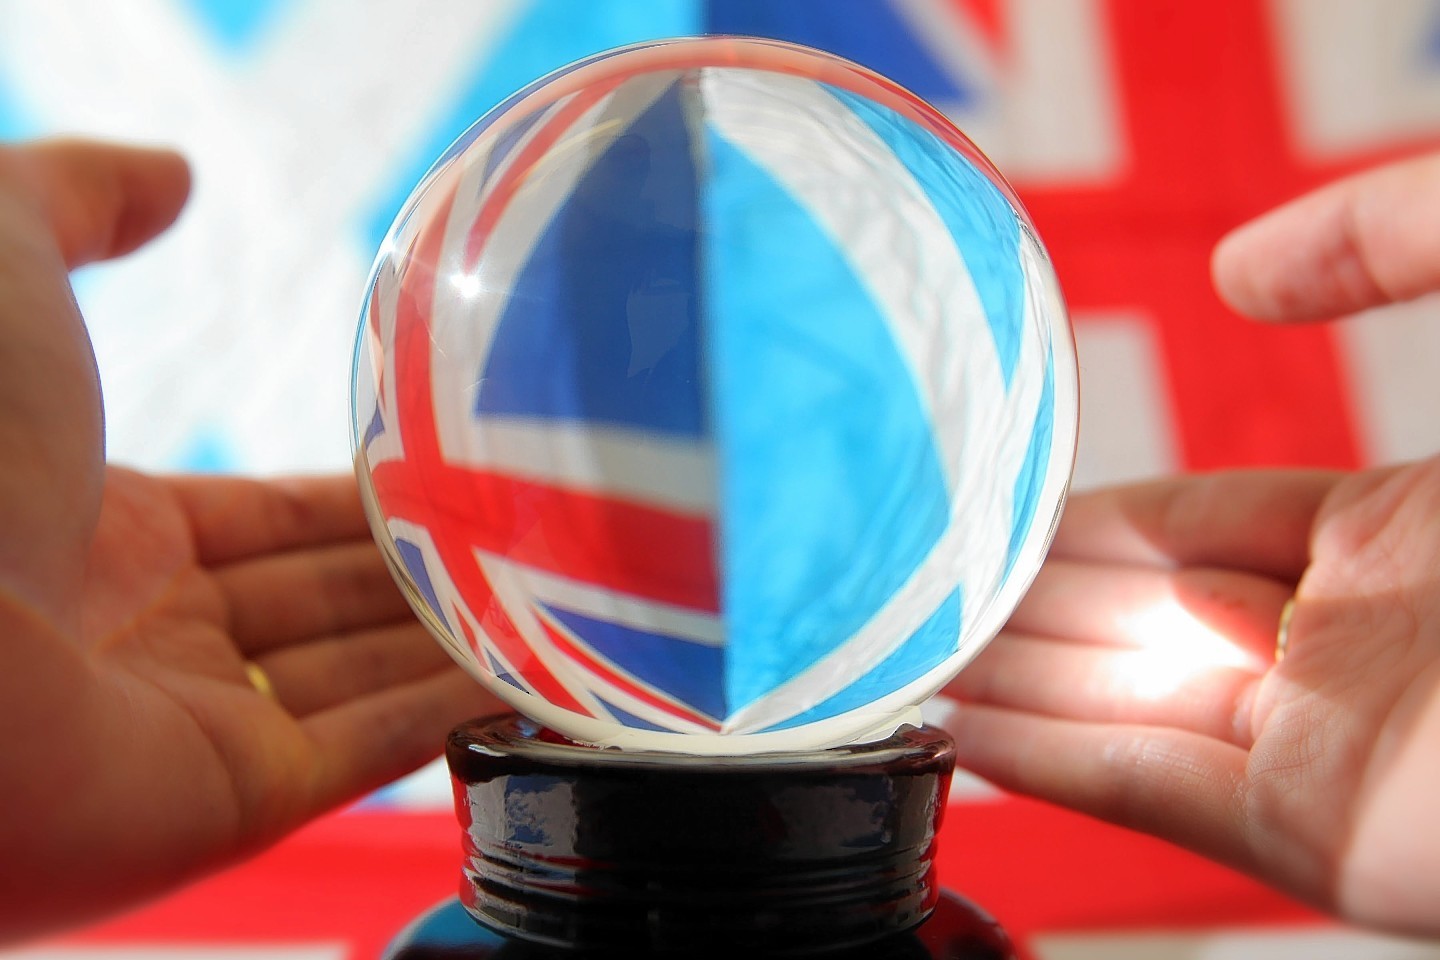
point(1282, 632)
point(260, 680)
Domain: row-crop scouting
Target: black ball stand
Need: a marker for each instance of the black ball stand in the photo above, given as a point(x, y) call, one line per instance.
point(576, 851)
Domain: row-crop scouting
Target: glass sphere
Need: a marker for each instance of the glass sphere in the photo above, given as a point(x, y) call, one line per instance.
point(714, 396)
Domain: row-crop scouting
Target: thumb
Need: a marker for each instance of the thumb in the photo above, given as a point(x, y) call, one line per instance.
point(61, 204)
point(100, 200)
point(1361, 242)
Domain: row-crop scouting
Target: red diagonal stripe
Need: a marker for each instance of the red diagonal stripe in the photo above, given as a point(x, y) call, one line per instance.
point(616, 544)
point(600, 668)
point(399, 485)
point(500, 630)
point(513, 176)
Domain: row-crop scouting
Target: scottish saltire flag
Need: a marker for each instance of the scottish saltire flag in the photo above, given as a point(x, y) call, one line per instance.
point(715, 400)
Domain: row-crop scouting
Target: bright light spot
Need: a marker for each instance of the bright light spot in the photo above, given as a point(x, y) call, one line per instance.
point(1174, 648)
point(466, 284)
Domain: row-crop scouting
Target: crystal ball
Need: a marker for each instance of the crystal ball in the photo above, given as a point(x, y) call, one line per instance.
point(714, 396)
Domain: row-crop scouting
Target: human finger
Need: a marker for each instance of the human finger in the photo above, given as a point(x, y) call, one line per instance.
point(234, 518)
point(1181, 786)
point(60, 204)
point(295, 595)
point(1167, 687)
point(1364, 241)
point(101, 200)
point(1221, 615)
point(1252, 520)
point(365, 743)
point(333, 670)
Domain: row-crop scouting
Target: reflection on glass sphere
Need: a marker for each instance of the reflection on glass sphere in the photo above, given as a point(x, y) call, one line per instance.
point(714, 396)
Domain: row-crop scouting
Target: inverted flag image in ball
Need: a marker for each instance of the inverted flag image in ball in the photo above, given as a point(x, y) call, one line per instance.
point(714, 396)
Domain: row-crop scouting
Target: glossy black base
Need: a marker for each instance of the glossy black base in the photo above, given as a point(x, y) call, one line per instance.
point(957, 930)
point(573, 846)
point(571, 850)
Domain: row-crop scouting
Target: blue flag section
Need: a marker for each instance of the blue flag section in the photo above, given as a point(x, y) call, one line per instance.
point(13, 122)
point(601, 325)
point(237, 25)
point(693, 673)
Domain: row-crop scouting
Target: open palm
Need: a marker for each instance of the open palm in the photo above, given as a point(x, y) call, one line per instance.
point(1139, 679)
point(130, 605)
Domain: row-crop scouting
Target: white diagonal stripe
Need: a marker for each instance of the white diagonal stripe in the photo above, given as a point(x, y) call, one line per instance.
point(599, 603)
point(358, 85)
point(627, 464)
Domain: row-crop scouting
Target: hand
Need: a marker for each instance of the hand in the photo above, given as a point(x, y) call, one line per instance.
point(1138, 681)
point(137, 755)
